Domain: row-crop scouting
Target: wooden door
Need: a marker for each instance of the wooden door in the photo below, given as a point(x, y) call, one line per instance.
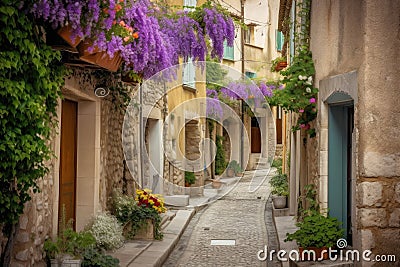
point(68, 159)
point(339, 165)
point(255, 136)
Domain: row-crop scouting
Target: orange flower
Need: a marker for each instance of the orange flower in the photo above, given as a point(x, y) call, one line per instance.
point(105, 10)
point(122, 23)
point(135, 35)
point(118, 7)
point(114, 22)
point(126, 39)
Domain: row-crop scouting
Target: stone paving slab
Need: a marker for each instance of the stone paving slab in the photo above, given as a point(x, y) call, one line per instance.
point(143, 253)
point(158, 251)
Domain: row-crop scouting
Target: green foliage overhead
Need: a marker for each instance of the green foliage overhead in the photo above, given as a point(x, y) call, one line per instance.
point(30, 81)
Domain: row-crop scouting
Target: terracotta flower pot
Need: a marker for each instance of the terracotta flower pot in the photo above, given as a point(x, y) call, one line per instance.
point(99, 58)
point(216, 184)
point(281, 66)
point(317, 251)
point(230, 172)
point(66, 34)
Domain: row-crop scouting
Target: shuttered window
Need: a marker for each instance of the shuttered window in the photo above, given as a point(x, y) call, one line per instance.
point(228, 51)
point(189, 3)
point(189, 74)
point(279, 40)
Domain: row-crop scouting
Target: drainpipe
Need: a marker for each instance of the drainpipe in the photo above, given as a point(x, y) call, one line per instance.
point(141, 135)
point(241, 102)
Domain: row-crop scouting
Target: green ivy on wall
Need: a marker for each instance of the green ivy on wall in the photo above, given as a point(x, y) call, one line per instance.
point(299, 95)
point(31, 77)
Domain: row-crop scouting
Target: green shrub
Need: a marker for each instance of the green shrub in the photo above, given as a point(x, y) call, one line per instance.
point(220, 162)
point(279, 185)
point(69, 242)
point(234, 165)
point(95, 258)
point(316, 231)
point(190, 178)
point(130, 214)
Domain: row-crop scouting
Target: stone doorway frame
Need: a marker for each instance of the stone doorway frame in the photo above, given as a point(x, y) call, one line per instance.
point(346, 84)
point(88, 158)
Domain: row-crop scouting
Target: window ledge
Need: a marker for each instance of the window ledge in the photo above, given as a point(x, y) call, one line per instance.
point(255, 46)
point(229, 59)
point(190, 88)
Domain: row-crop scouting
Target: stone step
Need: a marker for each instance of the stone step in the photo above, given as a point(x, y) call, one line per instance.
point(166, 218)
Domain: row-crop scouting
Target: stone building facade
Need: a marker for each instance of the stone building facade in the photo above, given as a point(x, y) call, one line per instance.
point(354, 159)
point(99, 166)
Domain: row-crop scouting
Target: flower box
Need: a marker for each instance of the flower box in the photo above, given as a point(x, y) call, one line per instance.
point(281, 66)
point(101, 59)
point(66, 34)
point(146, 232)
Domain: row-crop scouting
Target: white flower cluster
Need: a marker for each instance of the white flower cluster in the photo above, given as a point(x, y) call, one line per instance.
point(308, 80)
point(107, 231)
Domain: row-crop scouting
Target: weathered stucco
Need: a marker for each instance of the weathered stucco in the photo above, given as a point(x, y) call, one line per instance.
point(364, 36)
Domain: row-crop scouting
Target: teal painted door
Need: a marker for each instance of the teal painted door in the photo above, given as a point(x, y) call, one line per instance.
point(339, 165)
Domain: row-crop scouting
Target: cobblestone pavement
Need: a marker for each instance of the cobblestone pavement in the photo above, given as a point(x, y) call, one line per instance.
point(238, 216)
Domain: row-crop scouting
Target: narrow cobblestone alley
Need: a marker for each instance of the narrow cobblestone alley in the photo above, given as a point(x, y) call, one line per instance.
point(238, 216)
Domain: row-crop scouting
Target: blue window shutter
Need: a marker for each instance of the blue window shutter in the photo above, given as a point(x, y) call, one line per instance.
point(250, 74)
point(279, 40)
point(228, 51)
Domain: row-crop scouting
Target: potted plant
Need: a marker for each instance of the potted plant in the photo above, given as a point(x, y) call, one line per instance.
point(139, 216)
point(279, 190)
point(278, 64)
point(233, 168)
point(67, 249)
point(190, 178)
point(316, 233)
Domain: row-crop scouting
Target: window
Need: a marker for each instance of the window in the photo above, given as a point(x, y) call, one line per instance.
point(249, 34)
point(189, 74)
point(250, 74)
point(228, 51)
point(188, 4)
point(279, 40)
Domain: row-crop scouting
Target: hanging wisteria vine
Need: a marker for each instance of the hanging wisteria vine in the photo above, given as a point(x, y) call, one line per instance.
point(149, 36)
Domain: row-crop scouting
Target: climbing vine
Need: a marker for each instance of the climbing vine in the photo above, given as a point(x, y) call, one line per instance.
point(299, 95)
point(31, 77)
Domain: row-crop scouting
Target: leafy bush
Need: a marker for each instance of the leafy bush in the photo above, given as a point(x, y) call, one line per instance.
point(107, 231)
point(69, 242)
point(220, 162)
point(316, 231)
point(95, 258)
point(190, 178)
point(134, 216)
point(234, 165)
point(279, 185)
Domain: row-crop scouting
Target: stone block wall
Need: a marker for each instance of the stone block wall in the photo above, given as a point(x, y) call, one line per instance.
point(378, 215)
